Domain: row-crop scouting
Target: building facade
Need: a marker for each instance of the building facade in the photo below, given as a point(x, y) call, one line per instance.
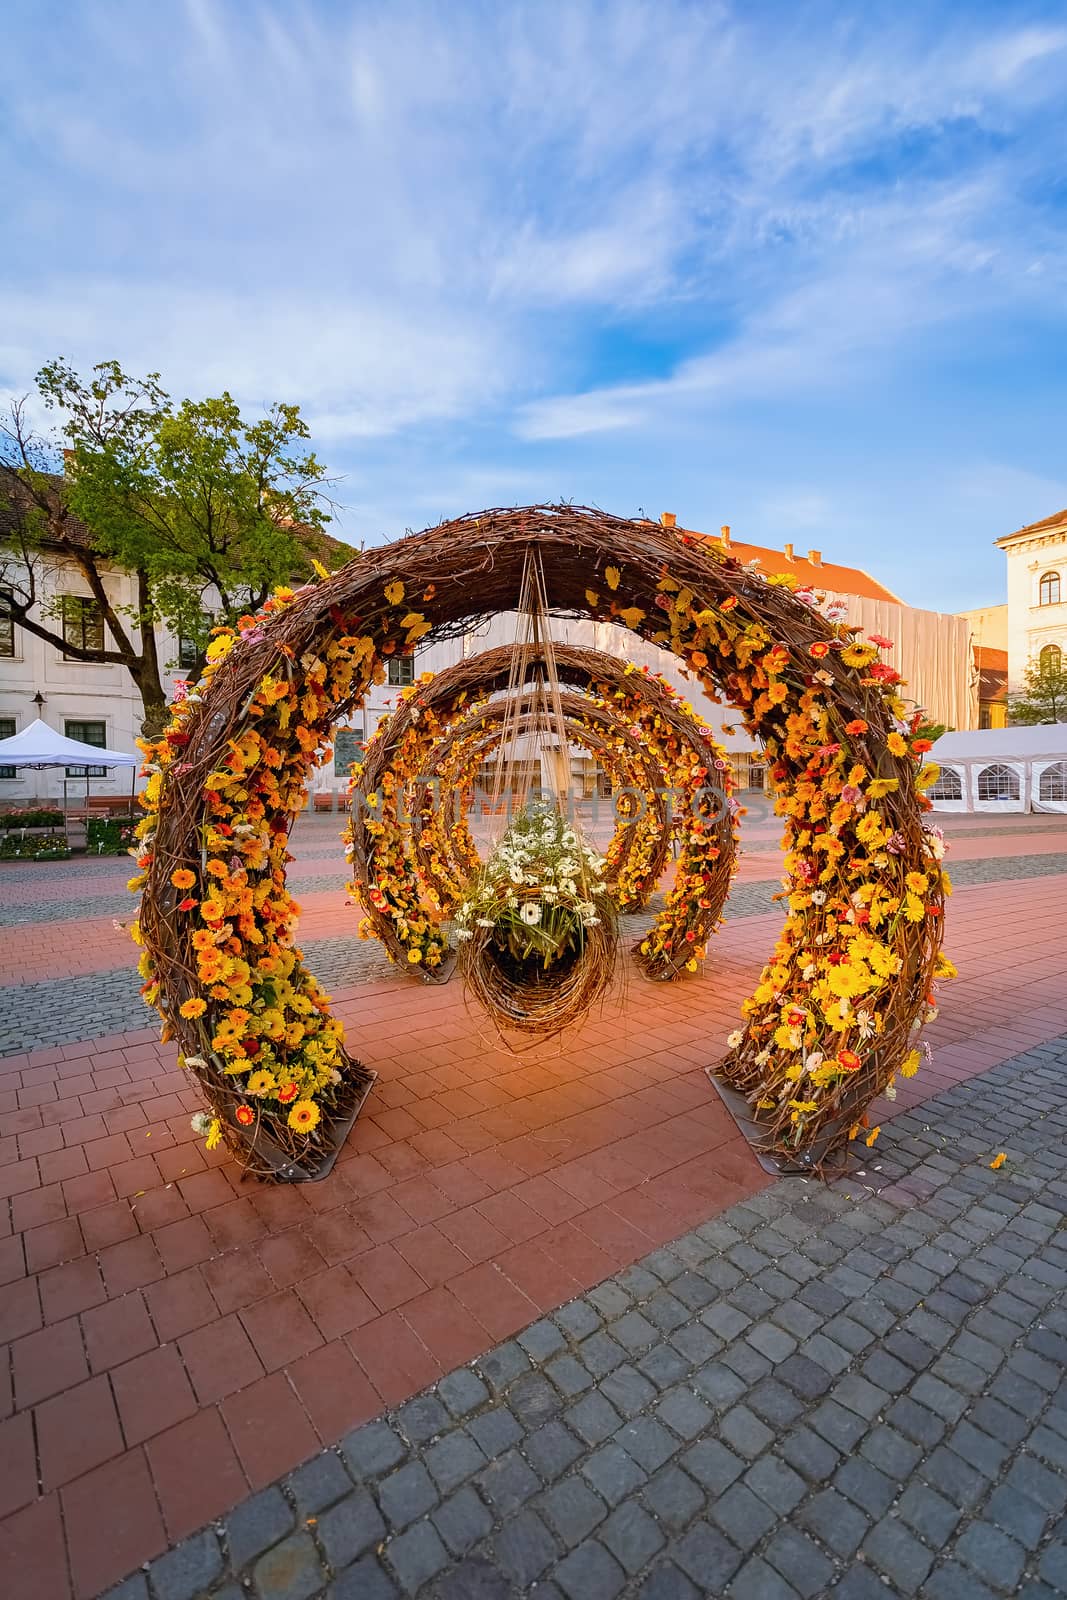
point(100, 705)
point(1037, 596)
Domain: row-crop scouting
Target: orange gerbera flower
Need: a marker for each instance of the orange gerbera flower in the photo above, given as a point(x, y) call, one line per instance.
point(182, 878)
point(245, 1116)
point(194, 1008)
point(287, 1092)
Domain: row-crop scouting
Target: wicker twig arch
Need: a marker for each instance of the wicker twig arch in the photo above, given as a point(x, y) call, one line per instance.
point(434, 715)
point(840, 1002)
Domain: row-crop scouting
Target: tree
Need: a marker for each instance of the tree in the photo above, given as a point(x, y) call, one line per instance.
point(209, 512)
point(1044, 698)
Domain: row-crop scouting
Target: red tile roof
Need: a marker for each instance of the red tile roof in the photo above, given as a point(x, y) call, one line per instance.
point(992, 673)
point(819, 574)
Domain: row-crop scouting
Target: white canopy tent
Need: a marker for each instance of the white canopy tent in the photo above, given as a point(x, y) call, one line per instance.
point(40, 746)
point(1002, 769)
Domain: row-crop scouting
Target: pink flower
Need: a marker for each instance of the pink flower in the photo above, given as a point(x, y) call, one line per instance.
point(881, 641)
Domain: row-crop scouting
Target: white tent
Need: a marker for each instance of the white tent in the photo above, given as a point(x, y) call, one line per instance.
point(1002, 769)
point(40, 746)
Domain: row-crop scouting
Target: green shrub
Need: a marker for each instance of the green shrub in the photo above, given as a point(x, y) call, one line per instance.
point(31, 817)
point(110, 836)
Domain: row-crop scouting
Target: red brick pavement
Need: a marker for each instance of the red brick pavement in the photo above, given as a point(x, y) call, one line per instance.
point(176, 1338)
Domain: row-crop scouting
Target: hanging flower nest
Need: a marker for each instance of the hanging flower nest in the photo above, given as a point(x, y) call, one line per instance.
point(537, 932)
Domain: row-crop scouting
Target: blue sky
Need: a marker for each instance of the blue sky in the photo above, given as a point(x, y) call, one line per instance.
point(799, 268)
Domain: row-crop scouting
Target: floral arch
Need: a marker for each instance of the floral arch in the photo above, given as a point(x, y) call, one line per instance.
point(441, 730)
point(848, 984)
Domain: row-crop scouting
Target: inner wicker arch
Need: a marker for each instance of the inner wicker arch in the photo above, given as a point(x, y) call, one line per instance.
point(837, 1011)
point(684, 789)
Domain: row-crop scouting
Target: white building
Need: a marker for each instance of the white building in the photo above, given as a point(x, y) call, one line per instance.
point(100, 705)
point(1037, 596)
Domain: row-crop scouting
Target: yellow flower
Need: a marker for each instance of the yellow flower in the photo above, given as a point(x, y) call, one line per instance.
point(592, 596)
point(612, 576)
point(632, 615)
point(880, 786)
point(872, 1136)
point(896, 744)
point(319, 569)
point(414, 955)
point(910, 1064)
point(183, 878)
point(998, 1161)
point(304, 1116)
point(394, 592)
point(194, 1008)
point(214, 1135)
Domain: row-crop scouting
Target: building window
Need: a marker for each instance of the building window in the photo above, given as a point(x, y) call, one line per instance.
point(948, 785)
point(86, 733)
point(7, 731)
point(7, 626)
point(347, 750)
point(998, 783)
point(189, 650)
point(1050, 661)
point(1052, 784)
point(401, 671)
point(1048, 590)
point(83, 622)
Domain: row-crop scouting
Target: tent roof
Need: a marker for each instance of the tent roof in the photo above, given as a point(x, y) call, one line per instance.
point(1003, 744)
point(41, 746)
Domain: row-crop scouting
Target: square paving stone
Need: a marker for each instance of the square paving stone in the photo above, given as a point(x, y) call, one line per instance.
point(836, 1521)
point(475, 1578)
point(712, 1465)
point(719, 1385)
point(647, 1441)
point(494, 1431)
point(507, 1483)
point(319, 1483)
point(600, 1354)
point(593, 1419)
point(573, 1510)
point(533, 1399)
point(541, 1339)
point(777, 1483)
point(453, 1459)
point(663, 1366)
point(684, 1412)
point(627, 1390)
point(291, 1571)
point(551, 1450)
point(569, 1375)
point(898, 1554)
point(613, 1473)
point(707, 1557)
point(811, 1456)
point(578, 1319)
point(462, 1392)
point(189, 1569)
point(255, 1525)
point(743, 1516)
point(673, 1497)
point(757, 1581)
point(524, 1547)
point(422, 1418)
point(870, 1489)
point(417, 1556)
point(590, 1573)
point(462, 1520)
point(350, 1528)
point(771, 1341)
point(632, 1536)
point(372, 1449)
point(932, 1516)
point(799, 1560)
point(745, 1433)
point(634, 1332)
point(406, 1494)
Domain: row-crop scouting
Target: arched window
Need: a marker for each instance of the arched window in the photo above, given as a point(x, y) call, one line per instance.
point(1050, 661)
point(1053, 782)
point(948, 785)
point(998, 783)
point(1048, 589)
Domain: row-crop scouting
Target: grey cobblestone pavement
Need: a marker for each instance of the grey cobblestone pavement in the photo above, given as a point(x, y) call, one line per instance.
point(854, 1390)
point(746, 899)
point(62, 1010)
